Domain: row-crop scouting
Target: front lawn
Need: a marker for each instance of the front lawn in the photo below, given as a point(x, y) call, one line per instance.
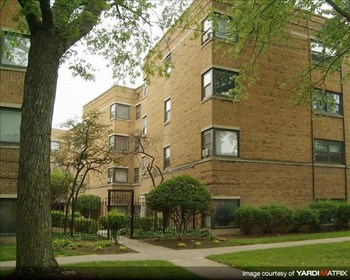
point(66, 247)
point(323, 256)
point(206, 242)
point(150, 269)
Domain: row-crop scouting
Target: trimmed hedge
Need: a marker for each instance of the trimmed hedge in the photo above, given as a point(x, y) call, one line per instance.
point(275, 218)
point(56, 216)
point(85, 225)
point(308, 218)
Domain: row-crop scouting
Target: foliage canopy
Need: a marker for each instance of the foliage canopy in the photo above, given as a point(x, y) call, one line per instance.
point(179, 197)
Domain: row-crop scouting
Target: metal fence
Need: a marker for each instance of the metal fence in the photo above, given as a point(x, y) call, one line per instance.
point(141, 218)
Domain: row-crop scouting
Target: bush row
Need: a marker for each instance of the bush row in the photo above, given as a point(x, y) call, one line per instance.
point(276, 218)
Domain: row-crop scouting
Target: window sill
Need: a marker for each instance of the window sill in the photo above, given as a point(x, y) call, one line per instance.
point(328, 164)
point(4, 145)
point(224, 158)
point(217, 39)
point(332, 115)
point(119, 119)
point(13, 68)
point(218, 97)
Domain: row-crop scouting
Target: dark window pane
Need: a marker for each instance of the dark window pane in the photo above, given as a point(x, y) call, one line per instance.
point(224, 81)
point(223, 213)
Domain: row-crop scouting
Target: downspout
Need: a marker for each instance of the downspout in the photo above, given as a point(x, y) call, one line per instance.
point(312, 122)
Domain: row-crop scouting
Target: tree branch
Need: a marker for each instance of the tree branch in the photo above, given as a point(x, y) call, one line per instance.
point(32, 20)
point(339, 10)
point(46, 13)
point(85, 22)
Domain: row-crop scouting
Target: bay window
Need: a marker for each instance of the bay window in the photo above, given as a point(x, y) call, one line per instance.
point(219, 142)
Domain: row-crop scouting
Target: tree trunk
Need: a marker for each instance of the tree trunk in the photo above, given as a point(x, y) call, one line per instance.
point(34, 244)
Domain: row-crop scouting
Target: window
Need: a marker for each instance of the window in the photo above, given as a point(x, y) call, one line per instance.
point(143, 163)
point(8, 210)
point(166, 157)
point(327, 102)
point(167, 110)
point(145, 88)
point(117, 175)
point(137, 145)
point(320, 53)
point(223, 215)
point(119, 143)
point(327, 151)
point(136, 175)
point(120, 111)
point(144, 126)
point(217, 28)
point(138, 111)
point(219, 142)
point(15, 50)
point(10, 123)
point(168, 64)
point(218, 82)
point(55, 145)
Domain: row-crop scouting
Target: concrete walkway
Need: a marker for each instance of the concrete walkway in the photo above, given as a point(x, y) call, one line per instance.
point(191, 259)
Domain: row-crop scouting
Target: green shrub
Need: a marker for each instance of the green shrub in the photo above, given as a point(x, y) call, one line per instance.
point(63, 243)
point(102, 244)
point(86, 225)
point(181, 245)
point(69, 218)
point(56, 216)
point(180, 196)
point(246, 218)
point(275, 218)
point(115, 222)
point(343, 215)
point(327, 209)
point(102, 221)
point(122, 248)
point(307, 217)
point(144, 223)
point(87, 203)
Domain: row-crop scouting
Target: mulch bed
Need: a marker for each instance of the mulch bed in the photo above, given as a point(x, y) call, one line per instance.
point(191, 243)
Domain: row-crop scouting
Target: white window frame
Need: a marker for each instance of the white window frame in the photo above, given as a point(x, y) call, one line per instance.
point(167, 110)
point(114, 111)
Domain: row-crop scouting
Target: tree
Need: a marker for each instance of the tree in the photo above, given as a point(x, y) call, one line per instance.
point(87, 203)
point(61, 184)
point(115, 221)
point(180, 197)
point(263, 23)
point(55, 28)
point(85, 150)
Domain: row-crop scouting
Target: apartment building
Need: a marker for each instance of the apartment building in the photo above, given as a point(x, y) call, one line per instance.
point(12, 72)
point(258, 150)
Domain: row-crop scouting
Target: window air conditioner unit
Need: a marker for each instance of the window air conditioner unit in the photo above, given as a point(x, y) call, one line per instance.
point(205, 152)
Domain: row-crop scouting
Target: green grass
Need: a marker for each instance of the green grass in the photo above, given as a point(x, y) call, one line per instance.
point(328, 256)
point(285, 238)
point(150, 269)
point(8, 253)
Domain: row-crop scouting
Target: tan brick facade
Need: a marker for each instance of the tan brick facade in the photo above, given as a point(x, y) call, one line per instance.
point(276, 160)
point(11, 95)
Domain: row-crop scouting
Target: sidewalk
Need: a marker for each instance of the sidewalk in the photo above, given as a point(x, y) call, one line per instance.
point(191, 259)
